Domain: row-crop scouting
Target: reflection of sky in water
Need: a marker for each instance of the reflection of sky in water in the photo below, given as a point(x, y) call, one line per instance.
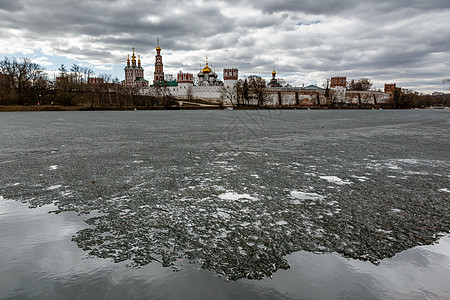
point(43, 262)
point(296, 180)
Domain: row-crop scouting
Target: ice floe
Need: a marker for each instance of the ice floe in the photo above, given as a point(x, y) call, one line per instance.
point(53, 187)
point(235, 196)
point(306, 196)
point(335, 179)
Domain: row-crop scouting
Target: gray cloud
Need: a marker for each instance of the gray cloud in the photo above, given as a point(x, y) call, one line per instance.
point(11, 6)
point(403, 41)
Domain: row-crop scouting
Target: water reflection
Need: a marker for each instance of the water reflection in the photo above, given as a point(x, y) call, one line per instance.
point(39, 261)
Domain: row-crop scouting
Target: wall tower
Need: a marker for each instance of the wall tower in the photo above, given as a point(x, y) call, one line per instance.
point(338, 81)
point(230, 77)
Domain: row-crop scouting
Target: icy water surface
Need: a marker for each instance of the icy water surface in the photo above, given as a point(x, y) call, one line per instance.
point(231, 193)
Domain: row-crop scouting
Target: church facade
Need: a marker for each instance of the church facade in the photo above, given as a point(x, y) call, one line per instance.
point(134, 74)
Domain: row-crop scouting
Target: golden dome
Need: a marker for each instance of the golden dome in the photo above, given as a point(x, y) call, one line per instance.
point(274, 73)
point(206, 69)
point(133, 57)
point(158, 48)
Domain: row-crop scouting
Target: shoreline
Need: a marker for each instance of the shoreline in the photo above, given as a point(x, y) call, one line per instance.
point(34, 108)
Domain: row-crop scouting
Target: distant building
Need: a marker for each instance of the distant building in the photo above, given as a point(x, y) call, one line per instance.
point(206, 85)
point(158, 76)
point(207, 77)
point(338, 81)
point(185, 78)
point(274, 82)
point(230, 77)
point(95, 80)
point(134, 74)
point(390, 88)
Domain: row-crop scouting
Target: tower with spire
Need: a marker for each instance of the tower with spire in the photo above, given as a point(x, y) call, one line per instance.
point(134, 74)
point(159, 69)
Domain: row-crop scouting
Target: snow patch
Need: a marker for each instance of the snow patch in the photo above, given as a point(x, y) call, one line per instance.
point(282, 222)
point(335, 179)
point(53, 187)
point(361, 178)
point(306, 196)
point(235, 196)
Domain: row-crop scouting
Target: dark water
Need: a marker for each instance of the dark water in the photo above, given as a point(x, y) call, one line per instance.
point(214, 195)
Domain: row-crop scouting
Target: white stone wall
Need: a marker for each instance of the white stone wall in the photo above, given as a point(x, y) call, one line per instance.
point(366, 97)
point(207, 92)
point(338, 93)
point(229, 83)
point(272, 96)
point(211, 93)
point(289, 97)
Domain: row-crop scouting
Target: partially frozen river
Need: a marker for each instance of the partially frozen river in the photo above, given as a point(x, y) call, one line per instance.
point(196, 204)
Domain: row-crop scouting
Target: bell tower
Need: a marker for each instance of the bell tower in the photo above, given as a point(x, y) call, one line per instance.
point(159, 69)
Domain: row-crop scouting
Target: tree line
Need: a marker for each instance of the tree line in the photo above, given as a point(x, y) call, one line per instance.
point(23, 82)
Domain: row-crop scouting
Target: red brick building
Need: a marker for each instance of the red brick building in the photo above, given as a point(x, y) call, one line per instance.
point(159, 68)
point(134, 74)
point(338, 81)
point(185, 78)
point(95, 80)
point(390, 88)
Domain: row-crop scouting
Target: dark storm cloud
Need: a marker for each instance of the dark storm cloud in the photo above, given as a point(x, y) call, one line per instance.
point(11, 6)
point(309, 7)
point(329, 7)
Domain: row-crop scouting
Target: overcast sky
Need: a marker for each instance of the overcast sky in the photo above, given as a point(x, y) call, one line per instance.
point(401, 41)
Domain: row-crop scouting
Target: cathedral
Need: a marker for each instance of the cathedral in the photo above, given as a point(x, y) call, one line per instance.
point(134, 74)
point(208, 77)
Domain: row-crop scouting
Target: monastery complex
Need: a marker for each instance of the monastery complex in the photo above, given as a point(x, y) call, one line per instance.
point(206, 86)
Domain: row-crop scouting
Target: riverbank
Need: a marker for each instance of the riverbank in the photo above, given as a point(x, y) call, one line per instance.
point(17, 108)
point(12, 108)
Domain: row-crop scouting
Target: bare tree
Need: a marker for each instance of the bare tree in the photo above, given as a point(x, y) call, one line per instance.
point(228, 93)
point(189, 93)
point(67, 85)
point(256, 87)
point(87, 73)
point(362, 84)
point(242, 91)
point(21, 76)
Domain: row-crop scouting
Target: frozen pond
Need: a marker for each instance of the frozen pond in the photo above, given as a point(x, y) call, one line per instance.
point(167, 204)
